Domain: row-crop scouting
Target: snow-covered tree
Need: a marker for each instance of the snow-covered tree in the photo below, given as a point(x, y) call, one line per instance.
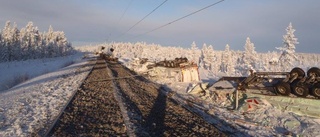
point(273, 60)
point(29, 38)
point(223, 61)
point(15, 42)
point(63, 45)
point(42, 42)
point(29, 43)
point(249, 58)
point(138, 49)
point(202, 54)
point(208, 57)
point(6, 36)
point(56, 43)
point(32, 37)
point(288, 58)
point(10, 42)
point(50, 41)
point(194, 56)
point(227, 65)
point(1, 46)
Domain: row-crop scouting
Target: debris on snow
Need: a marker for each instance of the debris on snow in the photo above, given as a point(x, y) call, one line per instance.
point(300, 106)
point(252, 104)
point(256, 115)
point(178, 70)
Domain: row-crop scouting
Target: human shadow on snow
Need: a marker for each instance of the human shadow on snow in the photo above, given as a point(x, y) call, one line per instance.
point(155, 121)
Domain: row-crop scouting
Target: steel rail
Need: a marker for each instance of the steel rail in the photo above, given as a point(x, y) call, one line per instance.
point(68, 102)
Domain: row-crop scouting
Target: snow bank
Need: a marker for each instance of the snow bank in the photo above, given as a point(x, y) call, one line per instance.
point(13, 73)
point(29, 108)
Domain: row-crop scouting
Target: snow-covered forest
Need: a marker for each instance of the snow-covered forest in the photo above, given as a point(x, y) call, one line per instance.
point(227, 62)
point(29, 43)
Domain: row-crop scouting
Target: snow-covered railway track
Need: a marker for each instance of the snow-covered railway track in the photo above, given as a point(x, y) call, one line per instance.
point(112, 103)
point(93, 111)
point(151, 112)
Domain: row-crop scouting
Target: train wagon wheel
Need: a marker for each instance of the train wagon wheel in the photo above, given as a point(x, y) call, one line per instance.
point(315, 91)
point(298, 71)
point(164, 64)
point(299, 89)
point(313, 71)
point(172, 64)
point(283, 89)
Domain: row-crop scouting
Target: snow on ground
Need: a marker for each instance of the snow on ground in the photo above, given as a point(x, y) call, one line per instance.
point(266, 120)
point(34, 104)
point(18, 71)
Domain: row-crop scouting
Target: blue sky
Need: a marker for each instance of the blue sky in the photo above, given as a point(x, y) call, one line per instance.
point(229, 22)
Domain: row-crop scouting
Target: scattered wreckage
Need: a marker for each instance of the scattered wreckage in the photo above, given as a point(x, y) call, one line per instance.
point(299, 91)
point(282, 83)
point(295, 82)
point(177, 70)
point(106, 55)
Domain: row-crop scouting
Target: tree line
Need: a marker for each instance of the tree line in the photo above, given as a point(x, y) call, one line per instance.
point(29, 43)
point(226, 62)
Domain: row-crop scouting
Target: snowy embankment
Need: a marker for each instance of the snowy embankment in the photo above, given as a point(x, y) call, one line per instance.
point(31, 106)
point(216, 107)
point(15, 72)
point(264, 119)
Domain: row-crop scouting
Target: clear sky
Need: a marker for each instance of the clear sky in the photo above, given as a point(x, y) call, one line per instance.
point(229, 22)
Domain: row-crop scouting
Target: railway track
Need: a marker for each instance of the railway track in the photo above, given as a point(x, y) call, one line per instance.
point(93, 111)
point(123, 105)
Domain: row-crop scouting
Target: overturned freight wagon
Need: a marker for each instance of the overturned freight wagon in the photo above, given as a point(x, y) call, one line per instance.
point(282, 83)
point(177, 70)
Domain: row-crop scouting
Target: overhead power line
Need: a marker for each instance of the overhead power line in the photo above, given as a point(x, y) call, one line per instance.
point(143, 18)
point(124, 12)
point(180, 18)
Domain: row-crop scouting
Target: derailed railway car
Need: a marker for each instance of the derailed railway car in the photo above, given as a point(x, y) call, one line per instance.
point(282, 83)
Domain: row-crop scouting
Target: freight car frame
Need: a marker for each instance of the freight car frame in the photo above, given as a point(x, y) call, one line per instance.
point(281, 83)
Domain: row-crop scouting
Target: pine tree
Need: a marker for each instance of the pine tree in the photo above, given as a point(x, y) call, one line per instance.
point(29, 43)
point(15, 42)
point(225, 61)
point(194, 53)
point(50, 41)
point(137, 49)
point(7, 51)
point(23, 43)
point(249, 58)
point(42, 45)
point(273, 60)
point(208, 58)
point(1, 47)
point(202, 56)
point(29, 37)
point(214, 59)
point(288, 58)
point(62, 44)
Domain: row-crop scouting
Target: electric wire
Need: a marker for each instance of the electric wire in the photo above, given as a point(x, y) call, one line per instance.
point(125, 11)
point(180, 18)
point(143, 18)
